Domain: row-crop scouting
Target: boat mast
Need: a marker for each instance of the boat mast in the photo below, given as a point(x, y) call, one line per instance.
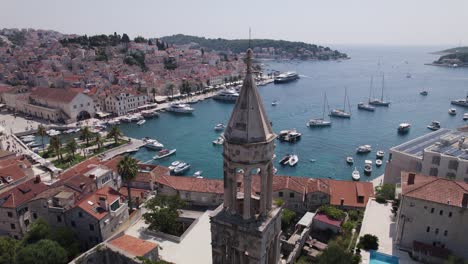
point(371, 85)
point(383, 85)
point(324, 100)
point(344, 102)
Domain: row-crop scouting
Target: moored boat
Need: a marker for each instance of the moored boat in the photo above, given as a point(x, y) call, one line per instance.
point(286, 77)
point(218, 141)
point(461, 102)
point(227, 96)
point(465, 116)
point(164, 153)
point(289, 135)
point(219, 127)
point(349, 160)
point(285, 160)
point(356, 175)
point(366, 107)
point(141, 122)
point(181, 168)
point(341, 113)
point(274, 103)
point(435, 125)
point(180, 108)
point(293, 160)
point(364, 149)
point(381, 101)
point(378, 162)
point(368, 169)
point(404, 127)
point(452, 111)
point(380, 154)
point(320, 122)
point(424, 93)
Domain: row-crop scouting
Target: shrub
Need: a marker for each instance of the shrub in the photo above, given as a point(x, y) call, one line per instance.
point(380, 200)
point(369, 242)
point(333, 212)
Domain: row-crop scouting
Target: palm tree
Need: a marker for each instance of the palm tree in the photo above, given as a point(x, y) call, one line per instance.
point(170, 90)
point(86, 134)
point(72, 146)
point(41, 131)
point(153, 91)
point(115, 134)
point(55, 145)
point(128, 169)
point(98, 141)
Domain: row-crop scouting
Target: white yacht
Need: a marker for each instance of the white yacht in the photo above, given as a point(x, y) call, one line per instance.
point(154, 144)
point(164, 153)
point(380, 154)
point(320, 122)
point(219, 127)
point(461, 102)
point(367, 168)
point(218, 141)
point(289, 135)
point(274, 103)
point(180, 108)
point(286, 77)
point(342, 112)
point(141, 122)
point(181, 168)
point(356, 175)
point(364, 149)
point(227, 95)
point(378, 162)
point(465, 116)
point(366, 107)
point(381, 101)
point(435, 125)
point(293, 160)
point(452, 111)
point(349, 160)
point(404, 127)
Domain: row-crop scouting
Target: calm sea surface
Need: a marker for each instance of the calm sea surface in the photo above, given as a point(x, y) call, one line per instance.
point(301, 100)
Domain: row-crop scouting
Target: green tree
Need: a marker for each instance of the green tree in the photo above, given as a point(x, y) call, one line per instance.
point(125, 38)
point(55, 145)
point(153, 92)
point(39, 230)
point(139, 39)
point(386, 191)
point(68, 240)
point(286, 218)
point(86, 134)
point(44, 251)
point(72, 146)
point(336, 255)
point(162, 213)
point(8, 247)
point(41, 131)
point(170, 89)
point(369, 242)
point(98, 141)
point(115, 134)
point(332, 212)
point(128, 170)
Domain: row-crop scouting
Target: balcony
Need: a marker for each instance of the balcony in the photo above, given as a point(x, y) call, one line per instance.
point(119, 210)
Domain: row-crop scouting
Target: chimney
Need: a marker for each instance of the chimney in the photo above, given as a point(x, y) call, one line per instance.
point(411, 177)
point(465, 200)
point(82, 185)
point(38, 179)
point(342, 201)
point(103, 202)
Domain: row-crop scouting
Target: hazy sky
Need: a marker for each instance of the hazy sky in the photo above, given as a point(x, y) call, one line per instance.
point(391, 22)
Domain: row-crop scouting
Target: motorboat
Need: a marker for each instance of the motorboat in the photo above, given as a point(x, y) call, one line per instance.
point(461, 102)
point(125, 119)
point(378, 162)
point(53, 132)
point(289, 135)
point(369, 162)
point(198, 174)
point(404, 127)
point(356, 175)
point(193, 101)
point(149, 114)
point(164, 153)
point(219, 127)
point(174, 165)
point(180, 108)
point(227, 95)
point(293, 160)
point(408, 75)
point(141, 122)
point(349, 160)
point(154, 144)
point(465, 116)
point(28, 139)
point(274, 103)
point(33, 144)
point(275, 170)
point(218, 141)
point(381, 101)
point(286, 77)
point(368, 169)
point(320, 122)
point(364, 149)
point(435, 125)
point(380, 154)
point(285, 160)
point(452, 111)
point(424, 92)
point(366, 107)
point(181, 168)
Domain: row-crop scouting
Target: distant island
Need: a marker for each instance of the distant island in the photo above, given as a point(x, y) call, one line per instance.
point(454, 57)
point(263, 48)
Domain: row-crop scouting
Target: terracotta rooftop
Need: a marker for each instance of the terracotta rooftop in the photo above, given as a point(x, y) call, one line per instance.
point(54, 94)
point(325, 219)
point(132, 245)
point(434, 189)
point(192, 184)
point(22, 193)
point(348, 191)
point(90, 203)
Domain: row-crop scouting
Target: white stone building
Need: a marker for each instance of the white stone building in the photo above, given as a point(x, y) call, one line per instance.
point(124, 102)
point(442, 153)
point(432, 217)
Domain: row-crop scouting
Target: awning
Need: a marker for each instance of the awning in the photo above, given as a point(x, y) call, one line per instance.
point(102, 114)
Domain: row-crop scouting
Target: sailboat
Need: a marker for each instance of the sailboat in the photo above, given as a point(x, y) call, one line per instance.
point(342, 112)
point(364, 106)
point(380, 102)
point(423, 91)
point(320, 122)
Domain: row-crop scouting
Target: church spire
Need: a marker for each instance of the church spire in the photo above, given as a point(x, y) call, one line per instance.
point(249, 122)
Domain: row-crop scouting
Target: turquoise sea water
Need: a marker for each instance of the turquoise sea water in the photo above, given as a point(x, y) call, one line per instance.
point(301, 100)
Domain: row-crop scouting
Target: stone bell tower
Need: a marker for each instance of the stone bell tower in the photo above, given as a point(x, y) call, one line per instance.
point(247, 227)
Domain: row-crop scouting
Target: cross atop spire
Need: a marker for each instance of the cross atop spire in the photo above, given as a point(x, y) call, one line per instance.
point(248, 61)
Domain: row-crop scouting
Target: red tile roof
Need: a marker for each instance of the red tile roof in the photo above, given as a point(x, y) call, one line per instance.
point(348, 191)
point(434, 189)
point(192, 184)
point(90, 203)
point(54, 94)
point(325, 219)
point(22, 193)
point(133, 245)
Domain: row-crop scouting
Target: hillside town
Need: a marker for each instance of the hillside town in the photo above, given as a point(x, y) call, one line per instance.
point(92, 202)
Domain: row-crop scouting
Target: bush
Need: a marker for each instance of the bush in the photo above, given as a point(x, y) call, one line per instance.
point(332, 212)
point(380, 200)
point(369, 242)
point(386, 191)
point(286, 218)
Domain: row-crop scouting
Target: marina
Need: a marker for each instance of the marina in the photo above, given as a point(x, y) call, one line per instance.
point(193, 135)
